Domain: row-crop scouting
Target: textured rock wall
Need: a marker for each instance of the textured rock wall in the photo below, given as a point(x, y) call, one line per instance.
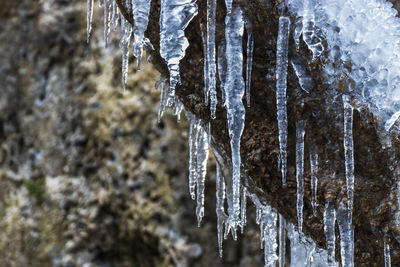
point(87, 175)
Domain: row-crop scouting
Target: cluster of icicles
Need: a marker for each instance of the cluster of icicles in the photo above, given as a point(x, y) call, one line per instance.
point(174, 18)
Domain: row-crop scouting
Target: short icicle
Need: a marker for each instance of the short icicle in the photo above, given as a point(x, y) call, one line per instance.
point(300, 131)
point(212, 68)
point(126, 29)
point(234, 90)
point(281, 75)
point(89, 17)
point(174, 18)
point(141, 11)
point(314, 176)
point(193, 133)
point(202, 145)
point(107, 18)
point(329, 229)
point(268, 235)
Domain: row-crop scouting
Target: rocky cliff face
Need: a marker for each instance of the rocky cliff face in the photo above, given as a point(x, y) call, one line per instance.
point(88, 176)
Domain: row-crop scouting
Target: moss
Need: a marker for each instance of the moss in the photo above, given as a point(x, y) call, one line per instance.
point(36, 188)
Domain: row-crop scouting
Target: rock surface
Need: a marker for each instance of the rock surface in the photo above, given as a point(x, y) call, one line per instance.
point(375, 201)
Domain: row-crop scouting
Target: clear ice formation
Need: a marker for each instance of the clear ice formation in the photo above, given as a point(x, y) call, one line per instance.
point(386, 253)
point(126, 32)
point(234, 90)
point(249, 56)
point(346, 236)
point(300, 131)
point(174, 18)
point(305, 81)
point(314, 176)
point(141, 11)
point(222, 68)
point(313, 42)
point(329, 229)
point(210, 56)
point(107, 19)
point(349, 167)
point(281, 77)
point(115, 15)
point(282, 241)
point(202, 144)
point(268, 235)
point(89, 18)
point(220, 210)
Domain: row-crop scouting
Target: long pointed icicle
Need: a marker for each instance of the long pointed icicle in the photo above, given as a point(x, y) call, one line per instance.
point(282, 240)
point(300, 131)
point(126, 29)
point(281, 75)
point(141, 11)
point(89, 15)
point(349, 165)
point(202, 157)
point(205, 65)
point(234, 90)
point(174, 18)
point(329, 229)
point(314, 176)
point(249, 63)
point(221, 216)
point(212, 68)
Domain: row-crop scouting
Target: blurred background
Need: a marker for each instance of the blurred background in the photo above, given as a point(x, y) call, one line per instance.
point(88, 177)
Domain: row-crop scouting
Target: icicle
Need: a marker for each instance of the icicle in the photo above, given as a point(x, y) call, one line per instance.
point(89, 15)
point(386, 252)
point(212, 68)
point(300, 130)
point(126, 29)
point(282, 241)
point(178, 109)
point(228, 4)
point(314, 176)
point(345, 231)
point(313, 42)
point(298, 29)
point(174, 17)
point(268, 235)
point(205, 65)
point(349, 151)
point(202, 157)
point(281, 73)
point(221, 216)
point(250, 44)
point(243, 204)
point(305, 81)
point(193, 133)
point(234, 90)
point(222, 68)
point(329, 229)
point(107, 18)
point(115, 15)
point(141, 11)
point(349, 165)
